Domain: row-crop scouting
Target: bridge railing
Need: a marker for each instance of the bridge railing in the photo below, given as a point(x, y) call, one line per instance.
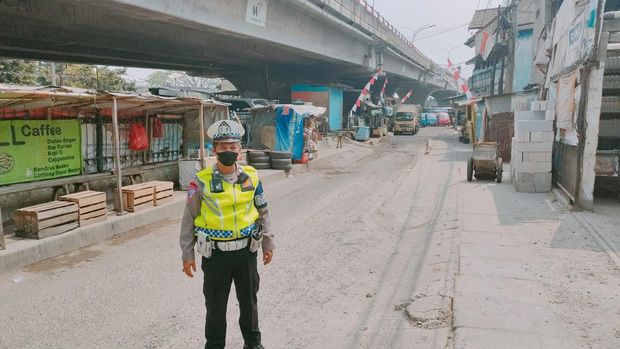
point(364, 14)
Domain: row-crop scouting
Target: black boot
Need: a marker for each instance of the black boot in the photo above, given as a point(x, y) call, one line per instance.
point(255, 346)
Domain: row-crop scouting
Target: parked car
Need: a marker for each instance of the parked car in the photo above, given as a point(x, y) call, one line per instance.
point(240, 105)
point(443, 119)
point(431, 119)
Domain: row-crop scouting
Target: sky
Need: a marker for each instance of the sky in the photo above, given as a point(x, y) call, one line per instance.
point(449, 17)
point(445, 15)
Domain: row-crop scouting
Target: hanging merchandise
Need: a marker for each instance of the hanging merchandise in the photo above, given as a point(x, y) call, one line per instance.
point(138, 140)
point(158, 129)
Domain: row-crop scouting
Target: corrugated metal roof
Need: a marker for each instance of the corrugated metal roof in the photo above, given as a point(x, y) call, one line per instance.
point(482, 18)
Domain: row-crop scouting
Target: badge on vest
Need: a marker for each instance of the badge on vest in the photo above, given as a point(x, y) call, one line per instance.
point(246, 182)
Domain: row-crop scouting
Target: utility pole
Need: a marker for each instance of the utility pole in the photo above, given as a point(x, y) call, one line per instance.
point(53, 73)
point(512, 34)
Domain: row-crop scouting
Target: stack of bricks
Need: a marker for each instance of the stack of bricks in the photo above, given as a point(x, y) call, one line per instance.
point(532, 149)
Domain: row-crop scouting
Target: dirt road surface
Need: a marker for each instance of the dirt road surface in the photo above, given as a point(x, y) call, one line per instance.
point(357, 265)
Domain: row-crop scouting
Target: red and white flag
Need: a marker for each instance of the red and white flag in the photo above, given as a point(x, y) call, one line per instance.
point(384, 85)
point(460, 81)
point(406, 97)
point(366, 89)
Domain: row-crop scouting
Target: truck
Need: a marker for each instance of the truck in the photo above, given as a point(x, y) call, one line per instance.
point(407, 119)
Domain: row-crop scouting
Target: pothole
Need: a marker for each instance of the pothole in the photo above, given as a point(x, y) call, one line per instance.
point(427, 311)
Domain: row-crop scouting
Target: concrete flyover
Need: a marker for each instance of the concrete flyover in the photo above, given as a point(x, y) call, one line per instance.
point(262, 46)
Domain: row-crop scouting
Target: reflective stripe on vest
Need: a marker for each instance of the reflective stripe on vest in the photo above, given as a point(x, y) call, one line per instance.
point(229, 215)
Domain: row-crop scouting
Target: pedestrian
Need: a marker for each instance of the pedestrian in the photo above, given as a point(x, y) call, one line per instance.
point(226, 218)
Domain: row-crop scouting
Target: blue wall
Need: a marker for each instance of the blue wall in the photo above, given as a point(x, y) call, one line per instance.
point(335, 108)
point(333, 95)
point(523, 61)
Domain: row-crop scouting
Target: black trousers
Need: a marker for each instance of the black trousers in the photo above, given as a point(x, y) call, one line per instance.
point(220, 270)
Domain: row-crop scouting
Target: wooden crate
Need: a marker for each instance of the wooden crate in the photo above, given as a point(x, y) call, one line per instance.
point(92, 206)
point(163, 191)
point(45, 220)
point(138, 196)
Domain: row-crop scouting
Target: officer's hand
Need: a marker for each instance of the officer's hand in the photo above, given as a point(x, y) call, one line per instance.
point(188, 266)
point(267, 255)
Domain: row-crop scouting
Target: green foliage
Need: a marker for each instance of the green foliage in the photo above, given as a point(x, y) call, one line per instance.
point(96, 77)
point(23, 72)
point(177, 79)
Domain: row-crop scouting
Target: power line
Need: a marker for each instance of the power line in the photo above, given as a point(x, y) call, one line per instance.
point(443, 31)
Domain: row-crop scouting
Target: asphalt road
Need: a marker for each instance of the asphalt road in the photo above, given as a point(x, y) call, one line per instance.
point(353, 240)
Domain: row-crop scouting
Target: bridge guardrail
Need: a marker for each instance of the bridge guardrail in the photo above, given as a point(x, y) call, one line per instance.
point(363, 14)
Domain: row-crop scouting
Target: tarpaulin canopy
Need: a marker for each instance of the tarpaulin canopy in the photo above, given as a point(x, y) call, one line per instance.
point(20, 98)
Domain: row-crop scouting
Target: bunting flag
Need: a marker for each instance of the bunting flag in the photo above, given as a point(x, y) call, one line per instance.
point(406, 97)
point(462, 85)
point(383, 89)
point(366, 89)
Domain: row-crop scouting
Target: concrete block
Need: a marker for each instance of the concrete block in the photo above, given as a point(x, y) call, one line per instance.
point(543, 182)
point(548, 136)
point(524, 187)
point(542, 105)
point(517, 156)
point(535, 156)
point(550, 114)
point(533, 126)
point(543, 146)
point(532, 167)
point(536, 137)
point(523, 182)
point(523, 137)
point(529, 115)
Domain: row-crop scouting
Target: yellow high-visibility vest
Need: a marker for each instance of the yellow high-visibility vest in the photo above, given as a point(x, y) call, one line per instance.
point(231, 214)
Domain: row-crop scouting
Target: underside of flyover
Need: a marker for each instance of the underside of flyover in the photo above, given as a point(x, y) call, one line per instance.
point(111, 33)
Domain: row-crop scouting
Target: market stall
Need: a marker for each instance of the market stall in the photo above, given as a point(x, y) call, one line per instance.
point(55, 137)
point(281, 127)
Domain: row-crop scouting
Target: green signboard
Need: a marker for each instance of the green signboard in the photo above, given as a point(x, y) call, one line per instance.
point(32, 150)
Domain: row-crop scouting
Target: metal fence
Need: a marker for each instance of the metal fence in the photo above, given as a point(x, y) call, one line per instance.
point(565, 168)
point(167, 148)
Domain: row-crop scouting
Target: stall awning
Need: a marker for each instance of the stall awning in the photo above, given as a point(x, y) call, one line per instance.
point(29, 98)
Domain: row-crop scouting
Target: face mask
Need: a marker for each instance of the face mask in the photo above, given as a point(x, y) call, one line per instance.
point(227, 158)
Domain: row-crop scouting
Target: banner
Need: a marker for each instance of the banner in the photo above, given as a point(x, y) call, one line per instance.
point(32, 150)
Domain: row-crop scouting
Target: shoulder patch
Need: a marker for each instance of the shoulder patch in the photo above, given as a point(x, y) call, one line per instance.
point(192, 190)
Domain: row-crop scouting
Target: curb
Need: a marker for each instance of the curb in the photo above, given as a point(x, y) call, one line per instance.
point(26, 252)
point(31, 251)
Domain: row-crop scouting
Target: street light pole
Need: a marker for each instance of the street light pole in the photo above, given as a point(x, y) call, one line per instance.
point(419, 29)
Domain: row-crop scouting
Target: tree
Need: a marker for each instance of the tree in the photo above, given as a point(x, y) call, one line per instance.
point(177, 79)
point(95, 77)
point(158, 78)
point(23, 72)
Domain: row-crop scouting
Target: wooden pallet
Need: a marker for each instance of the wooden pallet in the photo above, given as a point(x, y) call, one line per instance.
point(45, 220)
point(163, 192)
point(138, 196)
point(92, 206)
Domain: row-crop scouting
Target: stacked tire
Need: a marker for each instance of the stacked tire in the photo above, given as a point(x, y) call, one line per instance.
point(281, 160)
point(259, 160)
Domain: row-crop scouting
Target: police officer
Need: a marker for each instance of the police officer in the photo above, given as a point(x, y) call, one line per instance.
point(226, 218)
